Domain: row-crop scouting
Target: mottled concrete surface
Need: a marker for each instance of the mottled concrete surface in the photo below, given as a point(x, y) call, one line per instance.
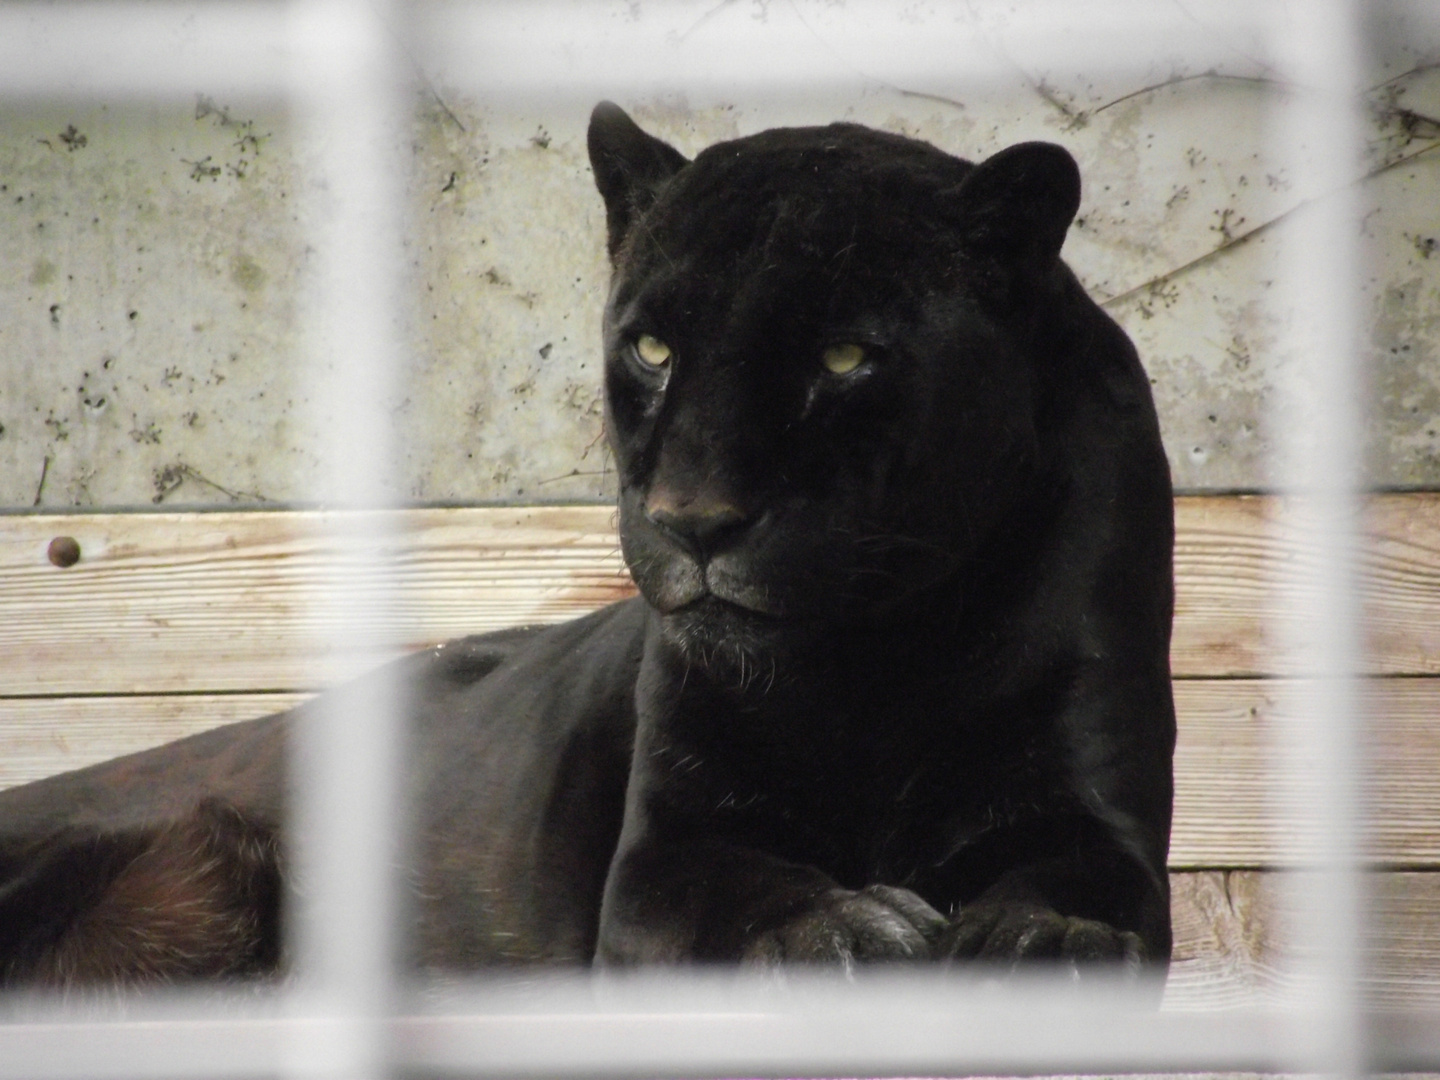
point(152, 259)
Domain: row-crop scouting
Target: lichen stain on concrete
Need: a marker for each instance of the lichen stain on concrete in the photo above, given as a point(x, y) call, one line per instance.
point(690, 129)
point(132, 255)
point(1405, 375)
point(1211, 350)
point(247, 273)
point(950, 128)
point(512, 266)
point(506, 238)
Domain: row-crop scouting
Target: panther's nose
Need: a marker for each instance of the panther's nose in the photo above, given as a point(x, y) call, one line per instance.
point(701, 521)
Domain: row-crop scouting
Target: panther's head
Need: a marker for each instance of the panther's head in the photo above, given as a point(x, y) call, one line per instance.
point(820, 376)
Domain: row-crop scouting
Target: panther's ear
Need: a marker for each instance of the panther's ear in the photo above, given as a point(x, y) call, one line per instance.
point(629, 166)
point(1019, 203)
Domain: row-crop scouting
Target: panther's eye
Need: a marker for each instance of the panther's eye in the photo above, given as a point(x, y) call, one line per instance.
point(842, 359)
point(652, 350)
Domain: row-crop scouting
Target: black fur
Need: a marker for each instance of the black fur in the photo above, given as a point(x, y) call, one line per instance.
point(897, 686)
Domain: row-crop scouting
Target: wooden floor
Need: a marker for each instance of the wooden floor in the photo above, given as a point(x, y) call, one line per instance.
point(173, 623)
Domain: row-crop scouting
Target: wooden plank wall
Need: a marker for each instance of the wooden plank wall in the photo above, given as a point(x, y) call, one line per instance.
point(172, 623)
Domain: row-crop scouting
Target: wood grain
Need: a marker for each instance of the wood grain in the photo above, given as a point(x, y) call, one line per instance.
point(227, 601)
point(174, 623)
point(43, 736)
point(1230, 950)
point(1227, 953)
point(1222, 787)
point(1236, 557)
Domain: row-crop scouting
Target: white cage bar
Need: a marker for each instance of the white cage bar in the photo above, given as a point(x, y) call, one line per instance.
point(345, 80)
point(1321, 761)
point(339, 60)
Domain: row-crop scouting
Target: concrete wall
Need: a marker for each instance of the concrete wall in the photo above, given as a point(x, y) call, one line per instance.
point(152, 259)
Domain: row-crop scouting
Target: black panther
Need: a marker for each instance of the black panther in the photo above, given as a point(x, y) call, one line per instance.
point(895, 688)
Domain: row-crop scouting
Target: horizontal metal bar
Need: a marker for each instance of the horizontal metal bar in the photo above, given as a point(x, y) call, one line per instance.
point(527, 48)
point(878, 1025)
point(142, 49)
point(580, 48)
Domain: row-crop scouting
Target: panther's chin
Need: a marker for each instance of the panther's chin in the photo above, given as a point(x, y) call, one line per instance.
point(737, 646)
point(714, 617)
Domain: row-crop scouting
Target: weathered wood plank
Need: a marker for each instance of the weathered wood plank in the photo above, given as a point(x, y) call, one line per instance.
point(1223, 787)
point(1229, 947)
point(43, 736)
point(224, 601)
point(209, 602)
point(1222, 810)
point(1226, 951)
point(1231, 553)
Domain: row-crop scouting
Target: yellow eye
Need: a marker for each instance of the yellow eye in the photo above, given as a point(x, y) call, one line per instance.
point(842, 359)
point(652, 350)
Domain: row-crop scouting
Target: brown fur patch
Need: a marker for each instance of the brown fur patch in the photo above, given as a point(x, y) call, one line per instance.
point(200, 900)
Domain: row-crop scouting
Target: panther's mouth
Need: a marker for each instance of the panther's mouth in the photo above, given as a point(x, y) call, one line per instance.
point(711, 605)
point(706, 601)
point(740, 593)
point(681, 583)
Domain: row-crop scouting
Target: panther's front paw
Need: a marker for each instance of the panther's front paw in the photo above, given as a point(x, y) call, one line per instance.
point(1009, 932)
point(877, 923)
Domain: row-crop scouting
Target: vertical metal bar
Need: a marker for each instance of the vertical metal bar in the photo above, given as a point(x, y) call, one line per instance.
point(1319, 48)
point(345, 789)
